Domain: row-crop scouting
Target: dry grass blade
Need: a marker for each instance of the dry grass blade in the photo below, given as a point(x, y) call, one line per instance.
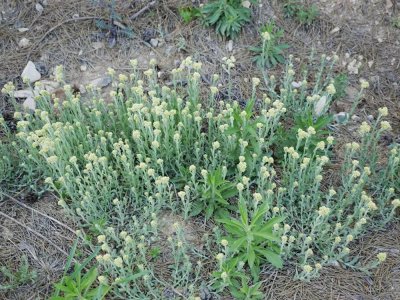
point(38, 212)
point(34, 232)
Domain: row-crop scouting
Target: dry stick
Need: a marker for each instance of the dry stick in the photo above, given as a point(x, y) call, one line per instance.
point(40, 213)
point(137, 14)
point(35, 232)
point(56, 26)
point(134, 16)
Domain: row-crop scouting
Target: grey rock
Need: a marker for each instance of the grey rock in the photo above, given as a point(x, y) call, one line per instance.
point(82, 89)
point(101, 82)
point(229, 46)
point(30, 72)
point(341, 117)
point(154, 42)
point(24, 42)
point(39, 8)
point(29, 104)
point(23, 94)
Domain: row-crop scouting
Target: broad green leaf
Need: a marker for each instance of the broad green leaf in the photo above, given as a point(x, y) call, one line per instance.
point(251, 256)
point(243, 212)
point(272, 221)
point(272, 257)
point(238, 244)
point(231, 222)
point(197, 208)
point(209, 211)
point(89, 278)
point(268, 236)
point(260, 213)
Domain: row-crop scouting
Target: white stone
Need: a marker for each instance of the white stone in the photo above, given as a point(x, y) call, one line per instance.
point(82, 89)
point(154, 42)
point(296, 85)
point(23, 29)
point(29, 103)
point(341, 117)
point(30, 72)
point(83, 68)
point(23, 94)
point(101, 82)
point(39, 8)
point(24, 42)
point(334, 30)
point(229, 46)
point(50, 84)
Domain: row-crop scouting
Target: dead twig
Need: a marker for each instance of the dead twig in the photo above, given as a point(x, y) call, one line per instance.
point(58, 25)
point(38, 212)
point(35, 233)
point(137, 14)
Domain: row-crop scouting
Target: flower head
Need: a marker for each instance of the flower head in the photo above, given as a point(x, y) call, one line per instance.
point(381, 256)
point(266, 36)
point(364, 84)
point(323, 211)
point(307, 268)
point(383, 111)
point(330, 89)
point(220, 256)
point(101, 238)
point(385, 125)
point(118, 262)
point(364, 128)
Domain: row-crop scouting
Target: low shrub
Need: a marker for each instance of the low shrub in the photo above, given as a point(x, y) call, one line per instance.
point(119, 165)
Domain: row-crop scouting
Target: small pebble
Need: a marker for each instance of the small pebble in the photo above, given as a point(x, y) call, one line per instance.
point(39, 8)
point(154, 42)
point(24, 42)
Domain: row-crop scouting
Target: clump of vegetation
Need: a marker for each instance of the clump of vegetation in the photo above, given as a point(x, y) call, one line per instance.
point(79, 284)
point(269, 52)
point(341, 82)
point(227, 16)
point(10, 280)
point(188, 14)
point(119, 165)
point(396, 22)
point(304, 14)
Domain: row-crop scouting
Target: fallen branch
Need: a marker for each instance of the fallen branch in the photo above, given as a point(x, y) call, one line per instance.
point(38, 212)
point(148, 6)
point(35, 233)
point(55, 27)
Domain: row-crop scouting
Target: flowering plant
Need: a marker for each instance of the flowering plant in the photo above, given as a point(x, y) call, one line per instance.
point(121, 165)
